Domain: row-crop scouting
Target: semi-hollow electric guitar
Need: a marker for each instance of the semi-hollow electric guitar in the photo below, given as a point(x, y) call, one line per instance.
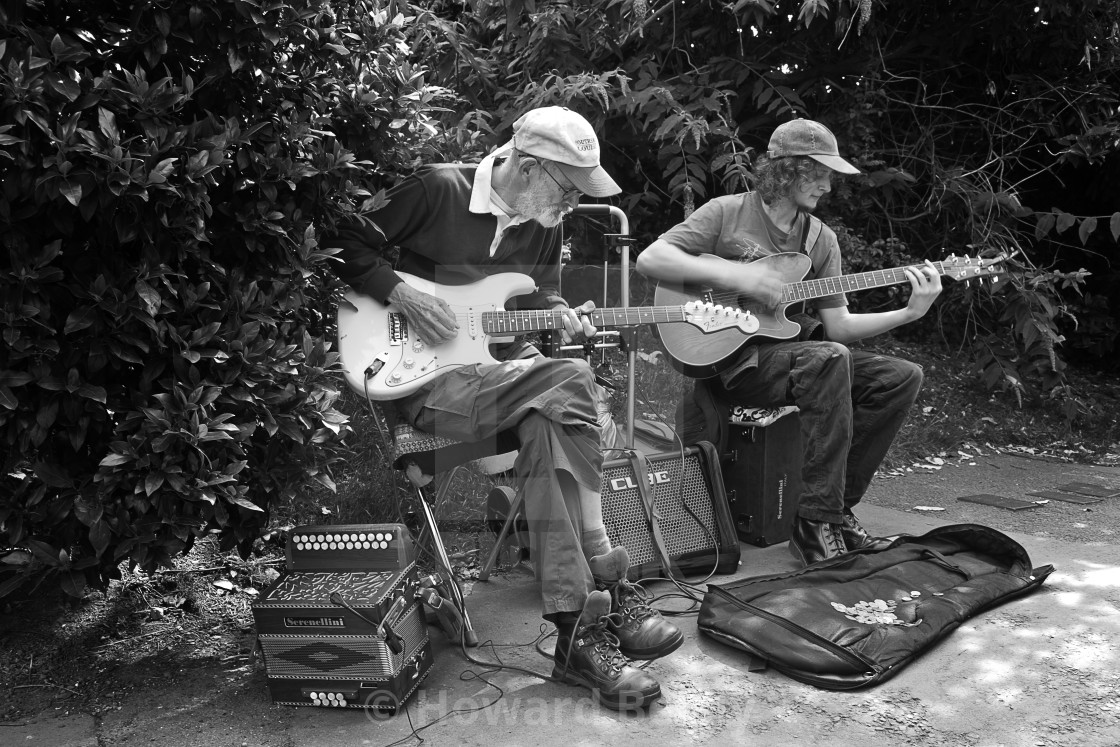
point(703, 353)
point(385, 361)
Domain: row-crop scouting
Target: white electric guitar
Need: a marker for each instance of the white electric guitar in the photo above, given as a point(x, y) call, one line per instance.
point(384, 360)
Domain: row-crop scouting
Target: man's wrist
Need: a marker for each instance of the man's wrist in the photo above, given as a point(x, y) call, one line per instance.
point(387, 287)
point(910, 314)
point(395, 292)
point(555, 301)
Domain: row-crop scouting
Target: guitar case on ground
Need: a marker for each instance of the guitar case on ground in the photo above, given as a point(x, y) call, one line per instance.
point(857, 619)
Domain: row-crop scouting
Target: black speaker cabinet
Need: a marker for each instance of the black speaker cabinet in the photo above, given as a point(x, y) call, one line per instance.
point(762, 472)
point(690, 507)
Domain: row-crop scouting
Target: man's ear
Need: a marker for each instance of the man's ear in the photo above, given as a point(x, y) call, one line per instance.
point(525, 164)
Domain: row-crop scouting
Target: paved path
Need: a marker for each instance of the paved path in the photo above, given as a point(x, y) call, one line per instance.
point(1042, 670)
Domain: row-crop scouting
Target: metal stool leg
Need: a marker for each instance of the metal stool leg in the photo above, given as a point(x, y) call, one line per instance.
point(514, 500)
point(443, 485)
point(470, 638)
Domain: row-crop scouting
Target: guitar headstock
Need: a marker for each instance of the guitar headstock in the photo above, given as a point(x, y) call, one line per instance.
point(712, 317)
point(973, 268)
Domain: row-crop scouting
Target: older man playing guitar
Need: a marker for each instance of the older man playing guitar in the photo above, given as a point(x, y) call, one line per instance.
point(456, 225)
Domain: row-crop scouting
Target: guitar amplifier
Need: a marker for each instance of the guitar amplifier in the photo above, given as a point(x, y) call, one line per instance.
point(342, 627)
point(689, 505)
point(762, 471)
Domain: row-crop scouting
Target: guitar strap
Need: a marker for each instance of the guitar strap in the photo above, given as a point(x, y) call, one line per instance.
point(641, 468)
point(810, 232)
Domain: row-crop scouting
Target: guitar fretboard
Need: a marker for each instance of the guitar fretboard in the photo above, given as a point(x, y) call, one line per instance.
point(806, 289)
point(531, 320)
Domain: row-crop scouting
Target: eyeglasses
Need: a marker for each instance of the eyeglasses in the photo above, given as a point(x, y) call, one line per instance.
point(569, 192)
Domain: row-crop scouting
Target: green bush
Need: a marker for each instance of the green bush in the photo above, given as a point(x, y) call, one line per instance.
point(166, 169)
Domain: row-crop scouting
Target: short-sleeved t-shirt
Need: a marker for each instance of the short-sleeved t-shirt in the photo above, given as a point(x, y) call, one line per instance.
point(736, 227)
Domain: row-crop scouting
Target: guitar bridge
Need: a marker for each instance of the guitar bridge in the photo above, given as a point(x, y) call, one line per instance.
point(398, 328)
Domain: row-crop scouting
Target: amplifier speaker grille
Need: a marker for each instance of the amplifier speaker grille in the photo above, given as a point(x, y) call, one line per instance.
point(691, 507)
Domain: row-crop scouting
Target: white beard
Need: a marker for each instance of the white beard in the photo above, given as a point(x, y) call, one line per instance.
point(536, 204)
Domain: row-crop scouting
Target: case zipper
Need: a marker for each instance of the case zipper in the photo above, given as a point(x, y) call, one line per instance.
point(843, 653)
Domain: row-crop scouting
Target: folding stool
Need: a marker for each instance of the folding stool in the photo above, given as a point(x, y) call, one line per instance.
point(430, 464)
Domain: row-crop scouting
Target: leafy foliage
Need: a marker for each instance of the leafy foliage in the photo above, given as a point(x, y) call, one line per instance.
point(166, 170)
point(974, 128)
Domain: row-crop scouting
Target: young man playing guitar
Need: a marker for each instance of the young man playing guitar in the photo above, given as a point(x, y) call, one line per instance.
point(851, 402)
point(456, 224)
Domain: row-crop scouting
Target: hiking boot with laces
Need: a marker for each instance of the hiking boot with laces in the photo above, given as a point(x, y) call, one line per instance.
point(813, 541)
point(587, 655)
point(856, 537)
point(641, 630)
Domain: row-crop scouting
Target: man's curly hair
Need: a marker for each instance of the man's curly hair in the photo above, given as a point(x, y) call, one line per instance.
point(775, 178)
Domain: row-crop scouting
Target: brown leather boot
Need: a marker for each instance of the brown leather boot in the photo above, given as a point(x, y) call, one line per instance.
point(856, 537)
point(813, 541)
point(587, 655)
point(641, 630)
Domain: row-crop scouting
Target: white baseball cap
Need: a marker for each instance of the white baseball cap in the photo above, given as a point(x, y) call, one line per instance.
point(558, 134)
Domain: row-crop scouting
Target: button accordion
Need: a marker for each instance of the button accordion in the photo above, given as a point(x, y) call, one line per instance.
point(343, 626)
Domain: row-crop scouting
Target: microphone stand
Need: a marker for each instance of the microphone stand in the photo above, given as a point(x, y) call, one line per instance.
point(621, 239)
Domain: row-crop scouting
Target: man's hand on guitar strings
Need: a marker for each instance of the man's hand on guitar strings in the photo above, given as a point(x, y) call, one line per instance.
point(577, 322)
point(760, 283)
point(925, 287)
point(429, 317)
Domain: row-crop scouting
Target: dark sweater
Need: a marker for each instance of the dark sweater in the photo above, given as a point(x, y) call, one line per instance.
point(428, 218)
